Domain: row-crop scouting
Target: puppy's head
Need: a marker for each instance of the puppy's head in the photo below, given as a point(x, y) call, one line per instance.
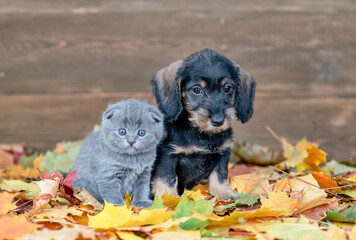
point(210, 87)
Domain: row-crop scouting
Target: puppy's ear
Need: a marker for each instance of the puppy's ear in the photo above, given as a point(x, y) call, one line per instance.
point(166, 88)
point(245, 94)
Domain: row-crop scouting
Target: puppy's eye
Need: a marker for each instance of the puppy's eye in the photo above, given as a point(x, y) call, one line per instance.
point(197, 90)
point(122, 132)
point(228, 88)
point(141, 133)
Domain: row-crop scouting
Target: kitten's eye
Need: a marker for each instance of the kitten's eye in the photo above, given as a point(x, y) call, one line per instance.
point(141, 133)
point(228, 88)
point(122, 132)
point(197, 90)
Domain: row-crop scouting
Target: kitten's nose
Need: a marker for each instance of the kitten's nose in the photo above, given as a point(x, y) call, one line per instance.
point(131, 143)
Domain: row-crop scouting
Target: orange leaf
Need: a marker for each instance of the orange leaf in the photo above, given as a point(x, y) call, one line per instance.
point(324, 180)
point(15, 227)
point(6, 203)
point(282, 185)
point(312, 161)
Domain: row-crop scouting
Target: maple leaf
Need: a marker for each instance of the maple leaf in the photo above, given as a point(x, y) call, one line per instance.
point(339, 168)
point(27, 191)
point(290, 231)
point(68, 233)
point(61, 162)
point(245, 199)
point(110, 217)
point(170, 201)
point(256, 154)
point(185, 207)
point(6, 203)
point(252, 182)
point(49, 190)
point(345, 214)
point(324, 180)
point(88, 199)
point(15, 227)
point(312, 161)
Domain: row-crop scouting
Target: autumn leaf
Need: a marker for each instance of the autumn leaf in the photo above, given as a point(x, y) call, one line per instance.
point(26, 190)
point(6, 203)
point(87, 199)
point(252, 182)
point(64, 233)
point(15, 227)
point(110, 217)
point(324, 180)
point(344, 214)
point(185, 207)
point(49, 190)
point(290, 231)
point(312, 161)
point(256, 154)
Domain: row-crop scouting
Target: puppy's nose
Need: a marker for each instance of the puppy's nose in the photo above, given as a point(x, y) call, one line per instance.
point(217, 122)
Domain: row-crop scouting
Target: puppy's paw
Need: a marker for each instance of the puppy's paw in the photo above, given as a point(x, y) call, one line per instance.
point(225, 195)
point(143, 204)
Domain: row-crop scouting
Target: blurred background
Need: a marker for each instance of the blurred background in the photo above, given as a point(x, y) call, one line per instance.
point(62, 62)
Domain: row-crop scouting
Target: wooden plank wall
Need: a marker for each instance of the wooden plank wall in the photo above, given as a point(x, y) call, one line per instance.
point(61, 62)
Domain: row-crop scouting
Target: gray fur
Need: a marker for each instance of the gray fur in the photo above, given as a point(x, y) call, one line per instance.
point(108, 166)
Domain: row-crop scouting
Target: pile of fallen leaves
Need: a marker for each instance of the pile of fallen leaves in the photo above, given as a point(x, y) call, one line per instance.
point(294, 194)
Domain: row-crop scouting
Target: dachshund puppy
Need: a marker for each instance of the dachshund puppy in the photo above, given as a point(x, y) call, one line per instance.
point(200, 97)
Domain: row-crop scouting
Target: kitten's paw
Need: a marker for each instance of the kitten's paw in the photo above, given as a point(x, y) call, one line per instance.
point(143, 204)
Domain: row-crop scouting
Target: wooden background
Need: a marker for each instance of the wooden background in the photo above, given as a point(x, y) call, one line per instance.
point(61, 62)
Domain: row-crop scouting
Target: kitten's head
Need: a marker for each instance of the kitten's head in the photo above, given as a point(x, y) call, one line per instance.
point(132, 127)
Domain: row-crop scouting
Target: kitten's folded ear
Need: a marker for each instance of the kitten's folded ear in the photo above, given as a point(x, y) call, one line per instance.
point(155, 114)
point(109, 112)
point(166, 88)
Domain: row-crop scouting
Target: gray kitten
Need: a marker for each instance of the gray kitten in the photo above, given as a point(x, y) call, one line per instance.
point(119, 157)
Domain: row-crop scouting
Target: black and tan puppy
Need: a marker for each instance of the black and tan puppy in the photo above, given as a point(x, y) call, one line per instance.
point(200, 97)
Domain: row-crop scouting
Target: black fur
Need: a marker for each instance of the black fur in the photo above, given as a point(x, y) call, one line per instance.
point(209, 70)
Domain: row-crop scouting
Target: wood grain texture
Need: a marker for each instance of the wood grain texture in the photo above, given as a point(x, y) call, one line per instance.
point(61, 62)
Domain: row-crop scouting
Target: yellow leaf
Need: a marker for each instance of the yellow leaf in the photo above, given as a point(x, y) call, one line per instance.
point(352, 177)
point(280, 201)
point(312, 161)
point(352, 234)
point(303, 145)
point(61, 211)
point(293, 160)
point(308, 192)
point(277, 204)
point(170, 200)
point(128, 199)
point(128, 235)
point(148, 217)
point(177, 235)
point(74, 232)
point(251, 182)
point(194, 195)
point(110, 217)
point(336, 233)
point(288, 148)
point(6, 203)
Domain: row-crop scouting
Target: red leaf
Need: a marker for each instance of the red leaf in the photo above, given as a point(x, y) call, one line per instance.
point(68, 181)
point(50, 175)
